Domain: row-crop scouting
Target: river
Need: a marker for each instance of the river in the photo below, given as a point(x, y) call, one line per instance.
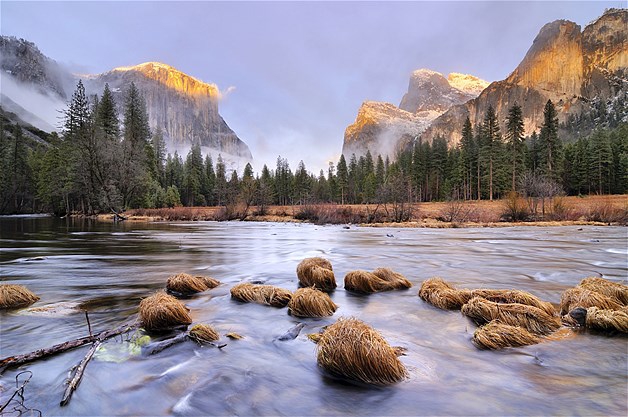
point(106, 269)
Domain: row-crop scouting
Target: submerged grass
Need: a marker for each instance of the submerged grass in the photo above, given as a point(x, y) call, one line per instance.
point(310, 302)
point(497, 335)
point(16, 296)
point(530, 318)
point(187, 284)
point(316, 272)
point(261, 294)
point(161, 311)
point(353, 350)
point(614, 290)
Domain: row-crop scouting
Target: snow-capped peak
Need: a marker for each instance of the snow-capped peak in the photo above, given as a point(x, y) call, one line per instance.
point(467, 83)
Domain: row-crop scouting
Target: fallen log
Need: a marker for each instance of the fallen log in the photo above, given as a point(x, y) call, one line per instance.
point(14, 361)
point(78, 375)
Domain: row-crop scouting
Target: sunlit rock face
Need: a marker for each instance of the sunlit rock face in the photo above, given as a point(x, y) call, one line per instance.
point(571, 67)
point(185, 108)
point(384, 129)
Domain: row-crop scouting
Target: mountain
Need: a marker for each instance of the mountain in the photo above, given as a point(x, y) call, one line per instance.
point(385, 129)
point(577, 70)
point(185, 108)
point(36, 87)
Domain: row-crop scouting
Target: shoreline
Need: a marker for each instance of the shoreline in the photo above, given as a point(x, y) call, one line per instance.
point(608, 210)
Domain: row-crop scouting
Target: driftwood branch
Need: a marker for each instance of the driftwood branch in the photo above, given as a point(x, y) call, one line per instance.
point(157, 347)
point(17, 399)
point(13, 361)
point(78, 375)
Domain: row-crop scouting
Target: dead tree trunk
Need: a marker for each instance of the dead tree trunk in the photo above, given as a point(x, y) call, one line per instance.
point(78, 375)
point(13, 361)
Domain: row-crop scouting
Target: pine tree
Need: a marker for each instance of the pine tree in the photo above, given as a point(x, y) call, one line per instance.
point(468, 155)
point(490, 146)
point(107, 115)
point(210, 174)
point(515, 141)
point(549, 143)
point(342, 176)
point(600, 161)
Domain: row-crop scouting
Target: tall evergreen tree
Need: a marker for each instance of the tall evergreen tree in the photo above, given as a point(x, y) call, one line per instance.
point(549, 143)
point(342, 176)
point(515, 141)
point(490, 146)
point(469, 157)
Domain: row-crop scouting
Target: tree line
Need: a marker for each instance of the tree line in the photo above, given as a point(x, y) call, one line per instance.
point(103, 162)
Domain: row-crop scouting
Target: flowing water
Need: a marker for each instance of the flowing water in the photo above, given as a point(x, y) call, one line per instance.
point(106, 269)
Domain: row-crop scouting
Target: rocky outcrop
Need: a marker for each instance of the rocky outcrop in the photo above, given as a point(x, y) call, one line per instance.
point(569, 67)
point(381, 128)
point(384, 129)
point(185, 108)
point(23, 61)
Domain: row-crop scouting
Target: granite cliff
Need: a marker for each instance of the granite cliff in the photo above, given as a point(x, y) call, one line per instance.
point(573, 68)
point(384, 129)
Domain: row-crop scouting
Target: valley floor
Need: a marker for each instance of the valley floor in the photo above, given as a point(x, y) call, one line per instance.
point(600, 210)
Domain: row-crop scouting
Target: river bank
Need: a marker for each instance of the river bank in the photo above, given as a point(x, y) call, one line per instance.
point(559, 211)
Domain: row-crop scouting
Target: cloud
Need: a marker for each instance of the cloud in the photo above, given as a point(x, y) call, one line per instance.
point(223, 94)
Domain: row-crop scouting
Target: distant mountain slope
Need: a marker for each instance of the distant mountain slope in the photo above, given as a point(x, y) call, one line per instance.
point(185, 108)
point(576, 70)
point(383, 128)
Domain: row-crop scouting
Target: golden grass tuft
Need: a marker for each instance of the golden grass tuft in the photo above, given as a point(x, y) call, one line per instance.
point(514, 296)
point(582, 297)
point(16, 296)
point(530, 318)
point(365, 282)
point(310, 302)
point(607, 319)
point(203, 333)
point(394, 279)
point(316, 272)
point(161, 311)
point(614, 290)
point(187, 284)
point(352, 349)
point(497, 335)
point(441, 294)
point(261, 294)
point(234, 336)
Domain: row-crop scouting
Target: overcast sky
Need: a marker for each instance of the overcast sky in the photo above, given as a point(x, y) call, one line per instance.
point(297, 72)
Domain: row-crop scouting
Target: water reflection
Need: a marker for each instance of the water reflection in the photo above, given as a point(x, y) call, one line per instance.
point(106, 269)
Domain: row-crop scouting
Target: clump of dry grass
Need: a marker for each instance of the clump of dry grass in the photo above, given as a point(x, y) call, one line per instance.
point(514, 296)
point(441, 294)
point(582, 297)
point(261, 294)
point(187, 284)
point(310, 302)
point(395, 280)
point(16, 296)
point(497, 335)
point(352, 349)
point(203, 333)
point(234, 336)
point(614, 290)
point(316, 272)
point(607, 319)
point(530, 318)
point(161, 311)
point(382, 279)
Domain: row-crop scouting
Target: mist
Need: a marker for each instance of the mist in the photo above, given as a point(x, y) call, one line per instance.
point(42, 110)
